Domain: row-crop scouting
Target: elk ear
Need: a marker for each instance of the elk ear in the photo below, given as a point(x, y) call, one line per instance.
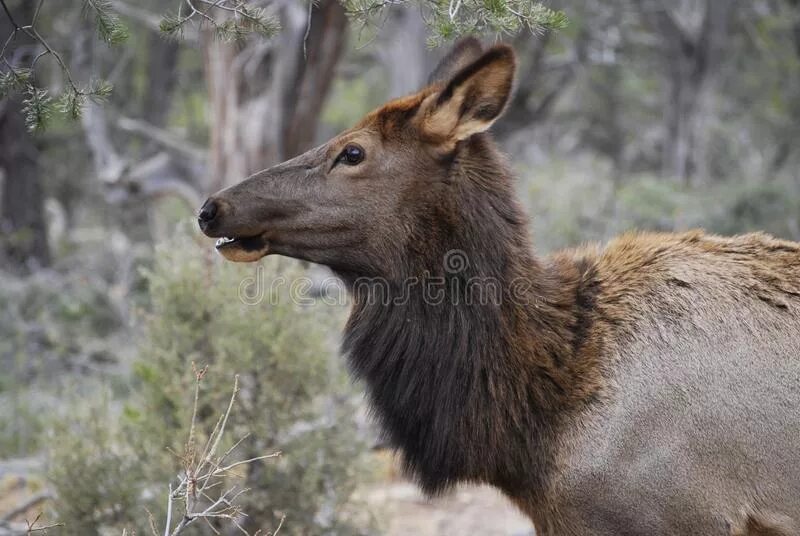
point(464, 52)
point(472, 100)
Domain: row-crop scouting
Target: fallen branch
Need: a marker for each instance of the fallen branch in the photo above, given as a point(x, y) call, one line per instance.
point(163, 138)
point(25, 506)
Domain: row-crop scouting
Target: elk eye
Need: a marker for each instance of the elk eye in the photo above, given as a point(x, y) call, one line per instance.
point(351, 155)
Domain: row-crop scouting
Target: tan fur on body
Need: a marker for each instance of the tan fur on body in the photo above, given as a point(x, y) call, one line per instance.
point(677, 437)
point(650, 387)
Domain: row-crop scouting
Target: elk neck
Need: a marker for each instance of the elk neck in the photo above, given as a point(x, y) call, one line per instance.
point(471, 351)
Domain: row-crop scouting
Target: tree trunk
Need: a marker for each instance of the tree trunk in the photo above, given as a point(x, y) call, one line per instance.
point(265, 101)
point(404, 52)
point(678, 116)
point(539, 87)
point(23, 230)
point(162, 74)
point(787, 145)
point(314, 68)
point(692, 59)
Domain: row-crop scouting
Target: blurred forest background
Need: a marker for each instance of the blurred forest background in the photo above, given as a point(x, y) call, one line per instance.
point(639, 114)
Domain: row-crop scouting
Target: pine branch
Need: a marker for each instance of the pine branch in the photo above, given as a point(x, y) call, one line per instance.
point(450, 19)
point(240, 20)
point(14, 80)
point(38, 108)
point(71, 104)
point(38, 105)
point(109, 27)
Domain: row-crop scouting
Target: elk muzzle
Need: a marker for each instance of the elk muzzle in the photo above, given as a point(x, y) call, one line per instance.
point(266, 207)
point(235, 243)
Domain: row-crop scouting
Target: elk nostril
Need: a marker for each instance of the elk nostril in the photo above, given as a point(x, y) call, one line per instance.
point(208, 211)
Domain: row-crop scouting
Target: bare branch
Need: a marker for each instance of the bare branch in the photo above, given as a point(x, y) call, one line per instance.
point(206, 471)
point(162, 137)
point(8, 14)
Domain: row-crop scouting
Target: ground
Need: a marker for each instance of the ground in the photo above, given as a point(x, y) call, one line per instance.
point(400, 507)
point(469, 510)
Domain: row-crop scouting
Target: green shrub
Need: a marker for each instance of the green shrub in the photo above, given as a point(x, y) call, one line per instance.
point(578, 201)
point(294, 397)
point(99, 482)
point(52, 324)
point(773, 207)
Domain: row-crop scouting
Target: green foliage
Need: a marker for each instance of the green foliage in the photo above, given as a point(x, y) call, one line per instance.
point(354, 98)
point(98, 480)
point(38, 108)
point(256, 20)
point(578, 201)
point(53, 326)
point(234, 20)
point(294, 397)
point(655, 204)
point(99, 90)
point(448, 20)
point(71, 104)
point(240, 21)
point(109, 27)
point(230, 31)
point(238, 30)
point(171, 25)
point(773, 207)
point(22, 419)
point(14, 80)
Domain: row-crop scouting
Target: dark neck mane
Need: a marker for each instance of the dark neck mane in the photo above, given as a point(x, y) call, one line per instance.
point(464, 354)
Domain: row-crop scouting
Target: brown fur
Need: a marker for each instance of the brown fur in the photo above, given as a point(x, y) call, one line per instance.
point(648, 387)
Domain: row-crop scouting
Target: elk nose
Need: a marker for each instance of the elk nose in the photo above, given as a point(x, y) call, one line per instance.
point(207, 212)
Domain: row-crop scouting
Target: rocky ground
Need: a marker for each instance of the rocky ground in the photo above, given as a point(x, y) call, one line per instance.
point(467, 511)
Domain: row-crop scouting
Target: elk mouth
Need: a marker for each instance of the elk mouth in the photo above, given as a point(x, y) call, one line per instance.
point(243, 248)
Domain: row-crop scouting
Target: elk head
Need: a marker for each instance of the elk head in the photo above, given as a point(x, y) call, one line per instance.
point(358, 202)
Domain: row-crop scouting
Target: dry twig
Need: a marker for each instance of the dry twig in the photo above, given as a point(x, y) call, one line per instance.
point(204, 470)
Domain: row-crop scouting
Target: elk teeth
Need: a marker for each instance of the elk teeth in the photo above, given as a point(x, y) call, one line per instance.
point(224, 240)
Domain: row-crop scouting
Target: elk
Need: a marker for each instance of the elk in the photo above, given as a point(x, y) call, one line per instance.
point(647, 387)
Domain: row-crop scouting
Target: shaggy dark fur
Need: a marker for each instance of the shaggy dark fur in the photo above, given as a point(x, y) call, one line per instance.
point(440, 373)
